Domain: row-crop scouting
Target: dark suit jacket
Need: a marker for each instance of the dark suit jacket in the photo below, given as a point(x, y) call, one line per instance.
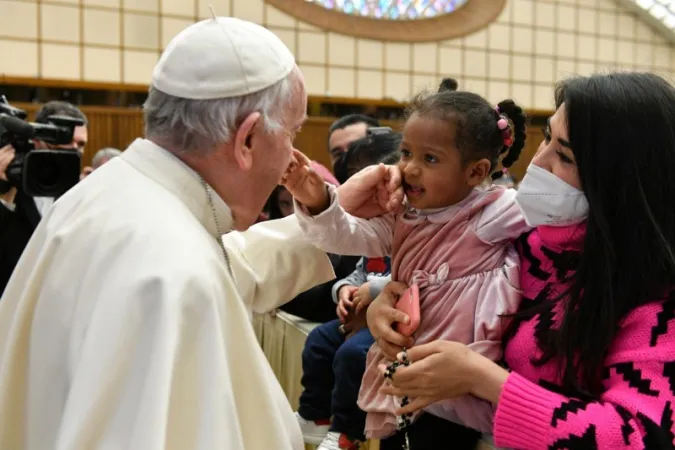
point(316, 304)
point(16, 229)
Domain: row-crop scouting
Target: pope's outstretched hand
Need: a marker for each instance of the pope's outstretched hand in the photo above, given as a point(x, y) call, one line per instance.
point(374, 191)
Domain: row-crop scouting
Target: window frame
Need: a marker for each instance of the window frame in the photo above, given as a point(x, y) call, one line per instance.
point(467, 19)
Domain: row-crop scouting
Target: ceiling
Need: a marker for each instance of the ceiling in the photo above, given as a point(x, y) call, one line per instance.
point(660, 14)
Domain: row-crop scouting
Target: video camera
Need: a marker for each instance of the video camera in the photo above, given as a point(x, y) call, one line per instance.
point(39, 173)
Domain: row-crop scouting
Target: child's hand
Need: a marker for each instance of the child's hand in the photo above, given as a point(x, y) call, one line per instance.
point(362, 298)
point(345, 304)
point(305, 185)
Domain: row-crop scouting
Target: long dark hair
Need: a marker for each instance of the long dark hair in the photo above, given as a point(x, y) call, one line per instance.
point(622, 131)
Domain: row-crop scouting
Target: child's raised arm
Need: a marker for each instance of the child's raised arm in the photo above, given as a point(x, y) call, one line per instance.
point(336, 231)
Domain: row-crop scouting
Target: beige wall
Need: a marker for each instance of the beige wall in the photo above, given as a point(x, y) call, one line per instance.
point(532, 44)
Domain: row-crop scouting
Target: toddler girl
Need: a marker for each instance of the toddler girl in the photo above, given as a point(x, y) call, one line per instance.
point(453, 240)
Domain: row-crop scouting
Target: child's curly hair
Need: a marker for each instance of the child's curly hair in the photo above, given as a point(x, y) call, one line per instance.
point(477, 123)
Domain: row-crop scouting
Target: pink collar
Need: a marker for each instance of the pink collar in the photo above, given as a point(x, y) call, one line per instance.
point(440, 215)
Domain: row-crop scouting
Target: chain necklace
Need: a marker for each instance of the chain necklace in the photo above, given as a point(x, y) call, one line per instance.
point(404, 420)
point(219, 232)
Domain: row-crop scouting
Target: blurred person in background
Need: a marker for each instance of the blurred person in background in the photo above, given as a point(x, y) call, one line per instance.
point(343, 132)
point(19, 212)
point(101, 157)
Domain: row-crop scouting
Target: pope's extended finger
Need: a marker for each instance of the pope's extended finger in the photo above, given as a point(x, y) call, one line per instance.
point(395, 201)
point(393, 178)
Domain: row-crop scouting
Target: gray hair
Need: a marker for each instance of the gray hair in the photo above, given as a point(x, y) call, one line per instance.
point(104, 155)
point(198, 126)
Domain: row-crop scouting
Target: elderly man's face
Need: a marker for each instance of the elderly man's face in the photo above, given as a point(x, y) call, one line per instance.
point(273, 151)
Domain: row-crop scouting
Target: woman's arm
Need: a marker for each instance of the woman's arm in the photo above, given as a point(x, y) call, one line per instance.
point(634, 412)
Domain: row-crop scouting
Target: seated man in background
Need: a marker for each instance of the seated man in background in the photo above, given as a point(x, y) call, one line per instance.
point(346, 130)
point(341, 134)
point(101, 157)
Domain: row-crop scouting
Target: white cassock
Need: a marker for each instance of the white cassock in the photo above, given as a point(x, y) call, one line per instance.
point(122, 328)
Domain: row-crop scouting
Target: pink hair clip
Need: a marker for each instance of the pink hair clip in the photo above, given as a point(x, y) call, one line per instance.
point(502, 124)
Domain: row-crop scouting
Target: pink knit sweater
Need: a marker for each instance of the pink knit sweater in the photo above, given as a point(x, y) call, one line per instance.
point(636, 409)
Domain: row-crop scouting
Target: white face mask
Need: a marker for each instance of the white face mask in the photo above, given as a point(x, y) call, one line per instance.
point(545, 199)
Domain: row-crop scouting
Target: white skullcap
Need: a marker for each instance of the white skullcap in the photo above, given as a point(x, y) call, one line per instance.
point(222, 57)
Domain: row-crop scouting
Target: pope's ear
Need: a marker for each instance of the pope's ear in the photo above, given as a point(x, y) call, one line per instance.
point(243, 152)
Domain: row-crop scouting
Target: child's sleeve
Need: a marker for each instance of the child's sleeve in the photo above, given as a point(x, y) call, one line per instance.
point(356, 278)
point(502, 220)
point(377, 284)
point(336, 231)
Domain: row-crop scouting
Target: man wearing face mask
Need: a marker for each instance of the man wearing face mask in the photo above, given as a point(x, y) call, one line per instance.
point(19, 212)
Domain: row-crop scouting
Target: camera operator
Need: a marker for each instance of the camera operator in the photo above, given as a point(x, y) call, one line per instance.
point(19, 212)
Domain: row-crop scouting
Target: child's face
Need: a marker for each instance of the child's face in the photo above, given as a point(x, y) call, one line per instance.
point(433, 173)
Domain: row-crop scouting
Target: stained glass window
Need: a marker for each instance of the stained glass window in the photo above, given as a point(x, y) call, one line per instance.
point(392, 9)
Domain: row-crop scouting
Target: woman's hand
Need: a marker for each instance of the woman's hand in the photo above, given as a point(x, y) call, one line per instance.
point(441, 370)
point(381, 317)
point(374, 191)
point(305, 185)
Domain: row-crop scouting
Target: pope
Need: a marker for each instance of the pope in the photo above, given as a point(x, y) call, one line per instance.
point(126, 324)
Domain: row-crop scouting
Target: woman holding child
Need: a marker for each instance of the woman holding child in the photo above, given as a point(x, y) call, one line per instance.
point(588, 355)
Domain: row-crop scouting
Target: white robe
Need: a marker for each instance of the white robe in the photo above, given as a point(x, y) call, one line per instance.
point(121, 327)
